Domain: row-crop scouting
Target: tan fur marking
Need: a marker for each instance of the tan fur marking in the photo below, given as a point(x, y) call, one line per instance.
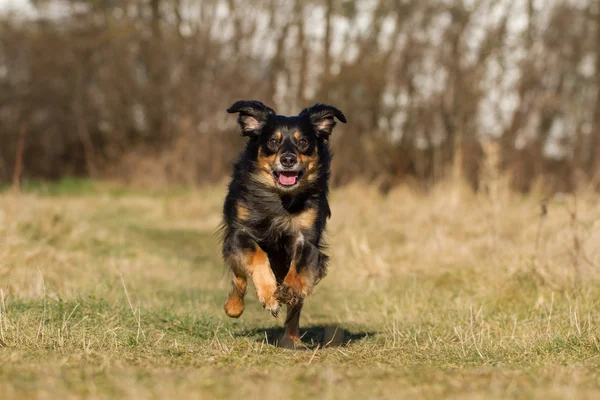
point(264, 161)
point(265, 171)
point(234, 307)
point(256, 259)
point(301, 284)
point(264, 178)
point(263, 278)
point(278, 135)
point(297, 135)
point(242, 211)
point(312, 165)
point(239, 284)
point(306, 219)
point(294, 280)
point(256, 264)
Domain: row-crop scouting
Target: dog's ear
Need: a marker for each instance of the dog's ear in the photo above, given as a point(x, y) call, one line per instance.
point(321, 116)
point(253, 115)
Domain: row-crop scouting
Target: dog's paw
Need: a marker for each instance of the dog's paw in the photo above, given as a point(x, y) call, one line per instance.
point(289, 342)
point(273, 306)
point(288, 295)
point(234, 306)
point(269, 302)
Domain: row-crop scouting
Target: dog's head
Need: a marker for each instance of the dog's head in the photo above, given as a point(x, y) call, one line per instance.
point(289, 150)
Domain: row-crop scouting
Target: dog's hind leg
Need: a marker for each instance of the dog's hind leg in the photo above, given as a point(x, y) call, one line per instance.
point(292, 321)
point(291, 337)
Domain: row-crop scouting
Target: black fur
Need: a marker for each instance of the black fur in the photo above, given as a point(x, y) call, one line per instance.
point(268, 206)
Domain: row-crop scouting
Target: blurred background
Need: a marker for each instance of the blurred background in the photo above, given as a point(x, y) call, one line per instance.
point(136, 90)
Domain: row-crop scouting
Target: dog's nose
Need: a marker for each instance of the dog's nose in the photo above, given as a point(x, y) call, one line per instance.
point(288, 160)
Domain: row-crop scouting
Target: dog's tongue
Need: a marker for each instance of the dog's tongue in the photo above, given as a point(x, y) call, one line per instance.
point(288, 178)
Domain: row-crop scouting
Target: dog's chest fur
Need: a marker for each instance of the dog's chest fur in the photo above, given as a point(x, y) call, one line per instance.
point(270, 223)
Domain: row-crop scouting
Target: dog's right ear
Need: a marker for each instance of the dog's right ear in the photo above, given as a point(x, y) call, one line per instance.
point(253, 116)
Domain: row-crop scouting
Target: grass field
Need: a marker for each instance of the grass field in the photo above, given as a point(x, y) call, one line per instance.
point(114, 293)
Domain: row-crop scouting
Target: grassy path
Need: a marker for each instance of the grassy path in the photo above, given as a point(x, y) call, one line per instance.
point(110, 293)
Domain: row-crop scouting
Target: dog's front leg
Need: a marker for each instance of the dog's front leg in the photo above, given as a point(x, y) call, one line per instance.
point(246, 258)
point(302, 275)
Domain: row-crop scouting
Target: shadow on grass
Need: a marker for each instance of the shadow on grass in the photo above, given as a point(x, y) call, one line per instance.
point(311, 337)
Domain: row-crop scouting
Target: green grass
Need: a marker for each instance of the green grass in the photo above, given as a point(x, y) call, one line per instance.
point(113, 293)
point(64, 187)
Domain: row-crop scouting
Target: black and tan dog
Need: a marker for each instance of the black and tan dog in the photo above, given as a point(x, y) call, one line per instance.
point(276, 208)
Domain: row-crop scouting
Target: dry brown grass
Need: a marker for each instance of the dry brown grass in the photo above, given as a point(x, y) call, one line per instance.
point(115, 293)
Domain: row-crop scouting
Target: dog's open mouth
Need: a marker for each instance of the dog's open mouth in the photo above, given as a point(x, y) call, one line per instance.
point(287, 178)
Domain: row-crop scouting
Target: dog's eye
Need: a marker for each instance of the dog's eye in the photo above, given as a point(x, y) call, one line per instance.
point(303, 142)
point(273, 142)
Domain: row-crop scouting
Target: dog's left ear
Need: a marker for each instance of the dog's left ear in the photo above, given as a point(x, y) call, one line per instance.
point(253, 116)
point(322, 118)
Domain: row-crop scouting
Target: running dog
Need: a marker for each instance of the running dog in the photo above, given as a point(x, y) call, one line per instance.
point(276, 208)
